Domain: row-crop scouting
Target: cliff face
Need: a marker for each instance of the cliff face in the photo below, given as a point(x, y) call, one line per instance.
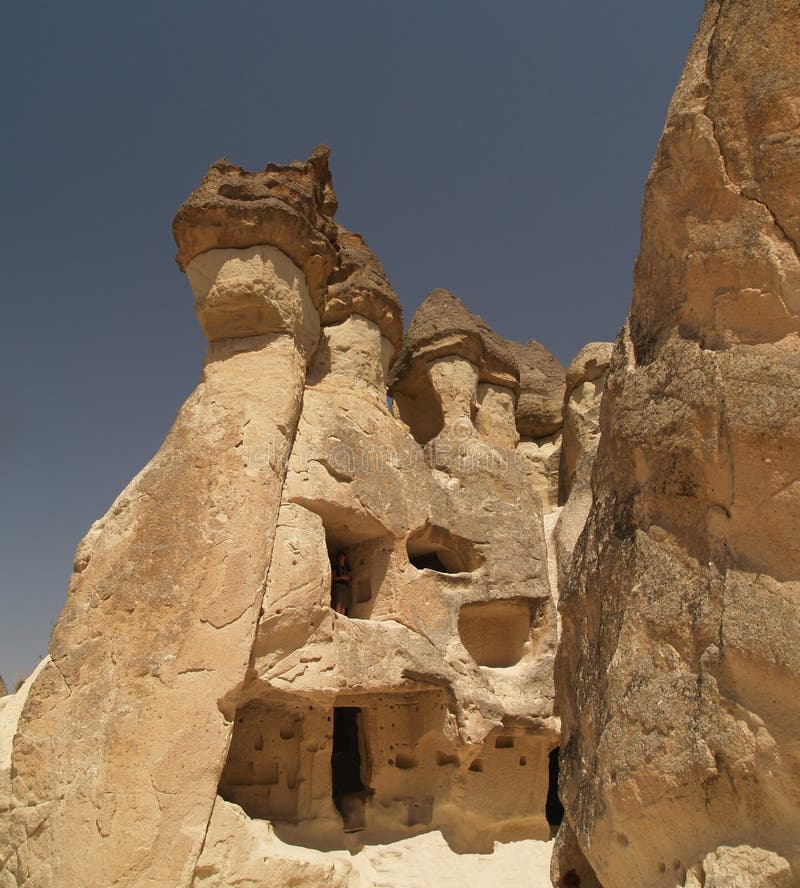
point(213, 712)
point(313, 641)
point(678, 672)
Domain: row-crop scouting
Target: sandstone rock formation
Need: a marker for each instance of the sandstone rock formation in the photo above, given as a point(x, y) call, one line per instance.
point(3, 689)
point(678, 671)
point(540, 407)
point(312, 643)
point(540, 416)
point(205, 718)
point(743, 865)
point(585, 383)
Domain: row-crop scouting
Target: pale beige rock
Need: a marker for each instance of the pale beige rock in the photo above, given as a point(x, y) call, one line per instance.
point(584, 391)
point(678, 671)
point(740, 867)
point(455, 386)
point(450, 723)
point(245, 852)
point(540, 460)
point(206, 718)
point(195, 603)
point(257, 291)
point(495, 418)
point(586, 377)
point(359, 286)
point(289, 206)
point(443, 330)
point(355, 352)
point(160, 619)
point(11, 707)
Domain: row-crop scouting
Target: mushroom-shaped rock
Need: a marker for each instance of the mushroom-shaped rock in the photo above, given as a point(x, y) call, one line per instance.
point(585, 384)
point(589, 364)
point(541, 398)
point(451, 362)
point(287, 206)
point(444, 327)
point(359, 286)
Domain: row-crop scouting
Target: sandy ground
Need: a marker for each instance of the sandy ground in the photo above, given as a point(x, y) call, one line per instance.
point(427, 860)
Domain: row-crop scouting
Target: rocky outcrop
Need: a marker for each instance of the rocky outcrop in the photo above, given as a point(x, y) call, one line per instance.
point(742, 865)
point(448, 351)
point(151, 650)
point(539, 416)
point(678, 672)
point(443, 327)
point(585, 384)
point(540, 407)
point(289, 206)
point(359, 286)
point(206, 716)
point(444, 660)
point(585, 381)
point(3, 689)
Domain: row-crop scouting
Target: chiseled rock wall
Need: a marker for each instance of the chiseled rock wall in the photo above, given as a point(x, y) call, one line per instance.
point(200, 686)
point(449, 664)
point(678, 672)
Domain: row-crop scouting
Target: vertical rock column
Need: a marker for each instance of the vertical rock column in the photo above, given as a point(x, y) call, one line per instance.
point(678, 672)
point(120, 746)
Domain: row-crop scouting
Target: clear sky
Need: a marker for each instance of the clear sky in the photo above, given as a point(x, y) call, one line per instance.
point(498, 150)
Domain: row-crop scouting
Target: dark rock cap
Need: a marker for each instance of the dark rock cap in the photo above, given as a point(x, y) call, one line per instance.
point(540, 405)
point(442, 327)
point(289, 206)
point(359, 286)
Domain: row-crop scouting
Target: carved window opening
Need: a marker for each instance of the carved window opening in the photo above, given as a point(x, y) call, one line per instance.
point(366, 545)
point(435, 548)
point(498, 633)
point(375, 768)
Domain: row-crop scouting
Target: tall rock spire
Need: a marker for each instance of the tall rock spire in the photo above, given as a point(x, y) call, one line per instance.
point(678, 674)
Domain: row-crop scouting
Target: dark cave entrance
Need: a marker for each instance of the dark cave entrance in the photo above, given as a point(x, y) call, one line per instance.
point(554, 810)
point(435, 548)
point(349, 791)
point(429, 561)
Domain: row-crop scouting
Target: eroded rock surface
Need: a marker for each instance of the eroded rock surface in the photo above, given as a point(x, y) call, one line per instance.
point(585, 384)
point(678, 673)
point(217, 721)
point(443, 666)
point(539, 419)
point(542, 381)
point(741, 865)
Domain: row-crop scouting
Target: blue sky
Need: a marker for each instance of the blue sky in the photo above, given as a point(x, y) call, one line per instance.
point(497, 150)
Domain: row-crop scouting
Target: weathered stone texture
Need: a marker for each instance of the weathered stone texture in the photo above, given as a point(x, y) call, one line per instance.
point(580, 438)
point(678, 672)
point(541, 400)
point(153, 643)
point(289, 206)
point(205, 718)
point(359, 286)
